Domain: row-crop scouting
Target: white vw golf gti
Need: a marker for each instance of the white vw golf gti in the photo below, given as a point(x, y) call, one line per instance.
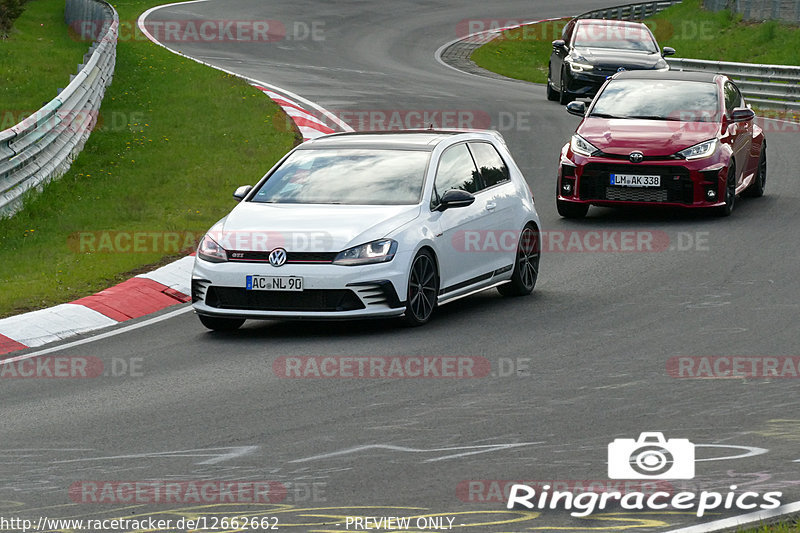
point(359, 225)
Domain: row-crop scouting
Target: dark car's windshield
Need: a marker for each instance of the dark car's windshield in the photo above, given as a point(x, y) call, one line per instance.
point(686, 101)
point(347, 176)
point(615, 35)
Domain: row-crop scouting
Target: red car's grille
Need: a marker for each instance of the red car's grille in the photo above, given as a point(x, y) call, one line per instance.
point(676, 185)
point(627, 194)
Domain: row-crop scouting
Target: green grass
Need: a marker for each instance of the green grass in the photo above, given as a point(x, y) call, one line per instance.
point(176, 139)
point(785, 527)
point(695, 33)
point(521, 53)
point(36, 59)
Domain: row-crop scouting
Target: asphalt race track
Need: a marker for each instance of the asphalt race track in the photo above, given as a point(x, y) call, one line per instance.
point(580, 363)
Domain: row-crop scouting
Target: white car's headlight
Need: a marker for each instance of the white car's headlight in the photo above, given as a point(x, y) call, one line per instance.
point(699, 151)
point(373, 252)
point(581, 146)
point(210, 250)
point(580, 67)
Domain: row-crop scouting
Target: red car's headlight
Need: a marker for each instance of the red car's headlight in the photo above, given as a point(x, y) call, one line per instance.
point(699, 151)
point(581, 146)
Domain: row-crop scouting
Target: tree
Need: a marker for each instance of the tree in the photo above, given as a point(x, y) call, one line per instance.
point(9, 11)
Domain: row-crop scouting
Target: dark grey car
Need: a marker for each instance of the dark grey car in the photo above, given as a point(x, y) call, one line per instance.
point(591, 50)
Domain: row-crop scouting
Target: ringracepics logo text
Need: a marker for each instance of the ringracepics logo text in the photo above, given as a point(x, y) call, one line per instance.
point(586, 503)
point(650, 457)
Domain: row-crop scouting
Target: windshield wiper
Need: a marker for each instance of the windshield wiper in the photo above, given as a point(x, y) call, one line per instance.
point(653, 117)
point(605, 115)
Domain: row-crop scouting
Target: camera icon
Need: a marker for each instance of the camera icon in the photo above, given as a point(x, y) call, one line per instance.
point(651, 457)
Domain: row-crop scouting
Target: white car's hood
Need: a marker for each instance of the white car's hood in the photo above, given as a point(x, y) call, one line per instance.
point(308, 228)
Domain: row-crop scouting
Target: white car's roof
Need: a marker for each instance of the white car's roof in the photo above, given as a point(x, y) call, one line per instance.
point(397, 140)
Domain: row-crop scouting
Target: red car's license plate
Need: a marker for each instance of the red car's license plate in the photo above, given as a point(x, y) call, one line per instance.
point(635, 180)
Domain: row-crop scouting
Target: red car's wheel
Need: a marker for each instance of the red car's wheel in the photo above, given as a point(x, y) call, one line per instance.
point(756, 189)
point(730, 194)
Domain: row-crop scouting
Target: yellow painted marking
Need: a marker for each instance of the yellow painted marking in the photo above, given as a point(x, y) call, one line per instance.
point(788, 429)
point(628, 523)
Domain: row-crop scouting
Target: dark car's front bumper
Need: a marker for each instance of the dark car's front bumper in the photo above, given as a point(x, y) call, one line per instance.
point(586, 84)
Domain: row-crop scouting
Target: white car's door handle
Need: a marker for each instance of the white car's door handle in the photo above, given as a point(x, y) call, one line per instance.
point(490, 206)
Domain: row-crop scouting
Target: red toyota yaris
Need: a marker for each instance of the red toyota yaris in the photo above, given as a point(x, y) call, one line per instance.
point(684, 139)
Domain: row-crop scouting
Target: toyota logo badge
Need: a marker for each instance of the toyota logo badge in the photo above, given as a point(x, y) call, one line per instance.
point(277, 257)
point(636, 157)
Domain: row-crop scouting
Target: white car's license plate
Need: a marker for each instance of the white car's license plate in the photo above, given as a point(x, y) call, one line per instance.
point(635, 180)
point(274, 283)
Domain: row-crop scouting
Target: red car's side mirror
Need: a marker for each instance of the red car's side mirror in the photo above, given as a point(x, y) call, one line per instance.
point(742, 114)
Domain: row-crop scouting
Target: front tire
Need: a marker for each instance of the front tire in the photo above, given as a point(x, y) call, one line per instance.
point(526, 267)
point(563, 95)
point(423, 289)
point(571, 209)
point(552, 94)
point(756, 189)
point(730, 194)
point(218, 323)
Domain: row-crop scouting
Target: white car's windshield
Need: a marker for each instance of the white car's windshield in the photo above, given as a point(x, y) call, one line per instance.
point(347, 176)
point(685, 101)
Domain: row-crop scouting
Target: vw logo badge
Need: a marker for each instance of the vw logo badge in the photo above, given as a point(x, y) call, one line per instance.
point(621, 69)
point(277, 257)
point(635, 157)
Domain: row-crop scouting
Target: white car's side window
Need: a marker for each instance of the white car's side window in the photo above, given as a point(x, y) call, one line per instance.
point(456, 171)
point(492, 168)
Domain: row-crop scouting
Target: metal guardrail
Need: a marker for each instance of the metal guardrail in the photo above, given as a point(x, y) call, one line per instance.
point(786, 10)
point(42, 147)
point(636, 11)
point(768, 86)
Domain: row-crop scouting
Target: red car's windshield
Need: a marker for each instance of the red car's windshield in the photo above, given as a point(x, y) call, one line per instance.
point(685, 101)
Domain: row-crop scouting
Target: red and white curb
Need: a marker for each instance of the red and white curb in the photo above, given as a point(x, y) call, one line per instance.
point(139, 296)
point(310, 126)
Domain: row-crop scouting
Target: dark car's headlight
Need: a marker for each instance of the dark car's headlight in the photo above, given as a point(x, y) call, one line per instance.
point(699, 151)
point(210, 250)
point(581, 146)
point(576, 66)
point(380, 251)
